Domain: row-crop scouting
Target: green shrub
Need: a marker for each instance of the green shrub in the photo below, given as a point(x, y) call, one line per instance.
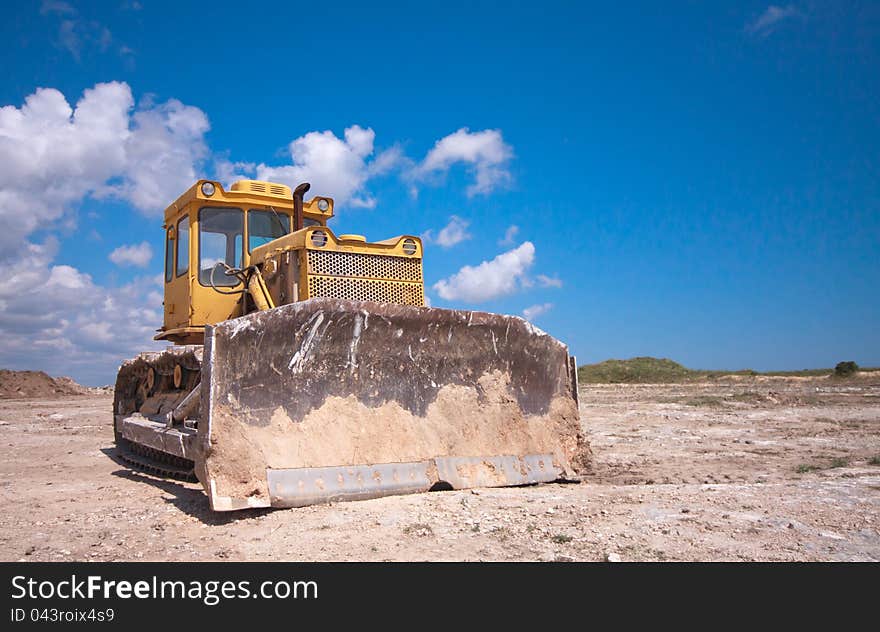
point(845, 369)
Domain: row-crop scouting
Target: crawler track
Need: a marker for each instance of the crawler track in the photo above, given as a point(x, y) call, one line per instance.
point(156, 462)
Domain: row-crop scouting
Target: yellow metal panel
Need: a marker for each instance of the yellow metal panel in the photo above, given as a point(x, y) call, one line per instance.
point(177, 291)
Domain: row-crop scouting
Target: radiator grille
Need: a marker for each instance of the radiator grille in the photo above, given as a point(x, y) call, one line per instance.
point(366, 290)
point(353, 264)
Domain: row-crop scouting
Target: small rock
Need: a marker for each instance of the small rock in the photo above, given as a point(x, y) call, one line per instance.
point(563, 558)
point(612, 557)
point(685, 510)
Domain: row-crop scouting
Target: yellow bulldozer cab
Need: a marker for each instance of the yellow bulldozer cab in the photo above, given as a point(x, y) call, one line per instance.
point(208, 227)
point(209, 230)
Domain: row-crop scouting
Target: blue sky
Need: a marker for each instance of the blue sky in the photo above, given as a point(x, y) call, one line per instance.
point(696, 181)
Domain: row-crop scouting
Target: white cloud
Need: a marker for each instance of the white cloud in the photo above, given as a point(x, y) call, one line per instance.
point(227, 171)
point(453, 233)
point(509, 236)
point(502, 275)
point(47, 308)
point(336, 167)
point(54, 155)
point(165, 145)
point(531, 313)
point(770, 19)
point(342, 167)
point(134, 255)
point(546, 281)
point(485, 153)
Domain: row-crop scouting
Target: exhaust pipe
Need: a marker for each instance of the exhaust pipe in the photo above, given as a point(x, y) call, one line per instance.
point(298, 194)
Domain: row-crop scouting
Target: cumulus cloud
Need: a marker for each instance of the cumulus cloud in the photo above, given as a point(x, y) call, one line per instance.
point(771, 18)
point(138, 255)
point(54, 155)
point(546, 281)
point(484, 153)
point(336, 167)
point(501, 276)
point(453, 233)
point(165, 144)
point(343, 167)
point(531, 313)
point(56, 316)
point(509, 236)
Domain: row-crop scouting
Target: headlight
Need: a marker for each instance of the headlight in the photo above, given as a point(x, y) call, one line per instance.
point(409, 246)
point(319, 238)
point(323, 205)
point(208, 188)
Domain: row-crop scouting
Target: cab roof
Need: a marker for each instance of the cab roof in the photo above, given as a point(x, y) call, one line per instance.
point(244, 192)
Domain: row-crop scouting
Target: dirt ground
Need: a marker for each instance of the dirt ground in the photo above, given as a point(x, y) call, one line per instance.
point(752, 469)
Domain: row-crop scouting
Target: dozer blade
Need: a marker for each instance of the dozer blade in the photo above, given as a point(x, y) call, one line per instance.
point(329, 400)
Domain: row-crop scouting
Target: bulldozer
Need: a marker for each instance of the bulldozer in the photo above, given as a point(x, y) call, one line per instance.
point(304, 366)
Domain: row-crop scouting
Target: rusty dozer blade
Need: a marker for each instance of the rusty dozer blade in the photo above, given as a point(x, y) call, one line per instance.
point(329, 400)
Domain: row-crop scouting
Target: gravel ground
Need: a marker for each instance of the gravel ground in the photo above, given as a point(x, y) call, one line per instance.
point(748, 469)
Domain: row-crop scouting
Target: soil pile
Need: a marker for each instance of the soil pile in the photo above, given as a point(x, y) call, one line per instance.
point(36, 384)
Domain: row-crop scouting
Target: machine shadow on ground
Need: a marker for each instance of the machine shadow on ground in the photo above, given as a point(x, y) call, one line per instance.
point(192, 502)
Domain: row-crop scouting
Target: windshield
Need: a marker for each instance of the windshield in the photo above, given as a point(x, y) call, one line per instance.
point(264, 226)
point(220, 242)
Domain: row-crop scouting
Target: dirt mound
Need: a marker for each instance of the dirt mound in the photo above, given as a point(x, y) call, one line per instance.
point(21, 384)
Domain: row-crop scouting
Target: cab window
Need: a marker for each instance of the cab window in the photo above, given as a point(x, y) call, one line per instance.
point(169, 256)
point(220, 240)
point(264, 226)
point(183, 246)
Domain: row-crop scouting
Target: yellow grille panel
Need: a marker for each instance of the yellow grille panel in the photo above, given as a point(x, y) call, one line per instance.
point(353, 264)
point(366, 290)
